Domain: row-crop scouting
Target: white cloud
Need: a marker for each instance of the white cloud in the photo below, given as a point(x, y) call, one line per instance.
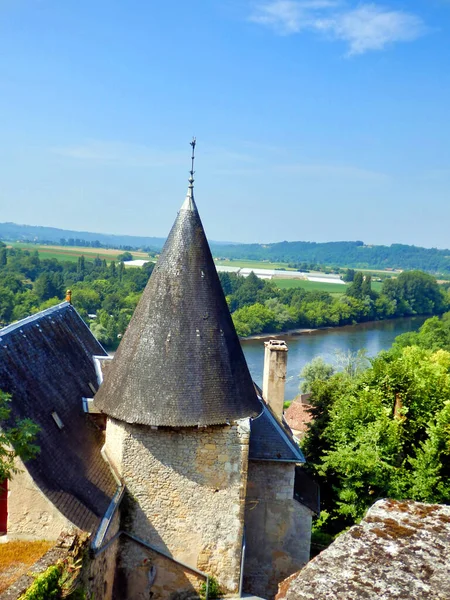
point(287, 16)
point(364, 27)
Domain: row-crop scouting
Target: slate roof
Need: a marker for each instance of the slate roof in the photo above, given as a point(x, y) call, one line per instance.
point(180, 362)
point(401, 549)
point(46, 365)
point(272, 440)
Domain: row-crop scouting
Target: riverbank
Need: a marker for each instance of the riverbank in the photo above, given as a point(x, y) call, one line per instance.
point(329, 343)
point(301, 331)
point(280, 334)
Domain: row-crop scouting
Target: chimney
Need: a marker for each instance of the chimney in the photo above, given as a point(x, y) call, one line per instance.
point(274, 377)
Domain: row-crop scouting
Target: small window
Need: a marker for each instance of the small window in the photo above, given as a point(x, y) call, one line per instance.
point(57, 420)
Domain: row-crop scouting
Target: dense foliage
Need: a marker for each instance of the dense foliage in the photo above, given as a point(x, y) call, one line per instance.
point(16, 439)
point(107, 292)
point(259, 306)
point(383, 431)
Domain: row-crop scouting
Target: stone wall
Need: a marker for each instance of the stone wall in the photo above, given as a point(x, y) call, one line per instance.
point(31, 516)
point(100, 572)
point(187, 491)
point(278, 528)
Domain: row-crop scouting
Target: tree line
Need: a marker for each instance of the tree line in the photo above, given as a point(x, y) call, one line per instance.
point(258, 306)
point(106, 295)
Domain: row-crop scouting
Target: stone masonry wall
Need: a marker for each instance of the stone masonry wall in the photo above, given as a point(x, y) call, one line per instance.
point(278, 528)
point(99, 576)
point(31, 516)
point(187, 491)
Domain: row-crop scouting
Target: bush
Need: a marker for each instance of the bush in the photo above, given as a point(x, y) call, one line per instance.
point(45, 586)
point(214, 589)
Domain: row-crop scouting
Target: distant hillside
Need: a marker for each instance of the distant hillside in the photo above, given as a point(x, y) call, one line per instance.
point(33, 233)
point(334, 254)
point(343, 254)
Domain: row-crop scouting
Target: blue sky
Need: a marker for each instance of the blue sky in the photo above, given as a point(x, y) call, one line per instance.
point(315, 120)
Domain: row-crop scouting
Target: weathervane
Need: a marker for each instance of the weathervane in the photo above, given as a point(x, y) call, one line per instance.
point(191, 178)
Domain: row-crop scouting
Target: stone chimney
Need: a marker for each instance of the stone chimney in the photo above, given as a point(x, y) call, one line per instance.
point(274, 377)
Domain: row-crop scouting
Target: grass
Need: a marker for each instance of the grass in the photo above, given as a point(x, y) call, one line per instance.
point(310, 286)
point(336, 289)
point(72, 253)
point(253, 264)
point(17, 557)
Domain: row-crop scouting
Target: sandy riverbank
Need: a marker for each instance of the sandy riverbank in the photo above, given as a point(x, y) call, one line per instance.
point(280, 334)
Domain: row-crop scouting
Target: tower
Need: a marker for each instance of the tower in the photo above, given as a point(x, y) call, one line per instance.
point(178, 396)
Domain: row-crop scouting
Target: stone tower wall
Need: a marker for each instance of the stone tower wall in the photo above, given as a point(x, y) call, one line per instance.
point(278, 528)
point(187, 491)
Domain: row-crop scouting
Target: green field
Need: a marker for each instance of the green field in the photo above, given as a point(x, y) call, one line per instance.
point(318, 286)
point(72, 253)
point(311, 286)
point(252, 264)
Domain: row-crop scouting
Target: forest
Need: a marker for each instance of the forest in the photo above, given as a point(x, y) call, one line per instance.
point(381, 427)
point(107, 294)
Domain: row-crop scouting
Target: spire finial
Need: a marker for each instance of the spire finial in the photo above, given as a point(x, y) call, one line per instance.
point(191, 178)
point(189, 203)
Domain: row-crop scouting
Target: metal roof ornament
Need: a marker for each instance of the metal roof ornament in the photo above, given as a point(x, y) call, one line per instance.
point(189, 203)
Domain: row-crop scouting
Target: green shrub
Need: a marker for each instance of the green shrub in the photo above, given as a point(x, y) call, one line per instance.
point(214, 589)
point(45, 586)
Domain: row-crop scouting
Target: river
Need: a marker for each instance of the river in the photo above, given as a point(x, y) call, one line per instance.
point(374, 337)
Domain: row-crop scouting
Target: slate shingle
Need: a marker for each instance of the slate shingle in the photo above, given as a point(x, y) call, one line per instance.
point(46, 365)
point(180, 362)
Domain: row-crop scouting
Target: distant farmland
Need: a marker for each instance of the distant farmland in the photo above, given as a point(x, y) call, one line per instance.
point(72, 253)
point(310, 286)
point(318, 286)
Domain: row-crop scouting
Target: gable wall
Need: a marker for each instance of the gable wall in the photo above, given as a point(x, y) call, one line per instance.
point(278, 528)
point(186, 496)
point(31, 516)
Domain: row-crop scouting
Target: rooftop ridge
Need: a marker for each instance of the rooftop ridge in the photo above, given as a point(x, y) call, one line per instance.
point(43, 313)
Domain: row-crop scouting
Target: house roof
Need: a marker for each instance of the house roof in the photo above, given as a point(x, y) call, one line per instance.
point(46, 365)
point(271, 439)
point(298, 415)
point(401, 549)
point(180, 362)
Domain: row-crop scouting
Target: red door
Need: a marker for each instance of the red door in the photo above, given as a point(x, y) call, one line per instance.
point(3, 506)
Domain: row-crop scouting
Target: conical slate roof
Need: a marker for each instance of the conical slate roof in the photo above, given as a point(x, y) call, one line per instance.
point(180, 362)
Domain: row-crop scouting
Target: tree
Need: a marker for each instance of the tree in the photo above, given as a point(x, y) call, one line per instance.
point(355, 289)
point(349, 275)
point(6, 304)
point(124, 257)
point(3, 259)
point(45, 287)
point(382, 432)
point(81, 265)
point(253, 319)
point(16, 440)
point(316, 370)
